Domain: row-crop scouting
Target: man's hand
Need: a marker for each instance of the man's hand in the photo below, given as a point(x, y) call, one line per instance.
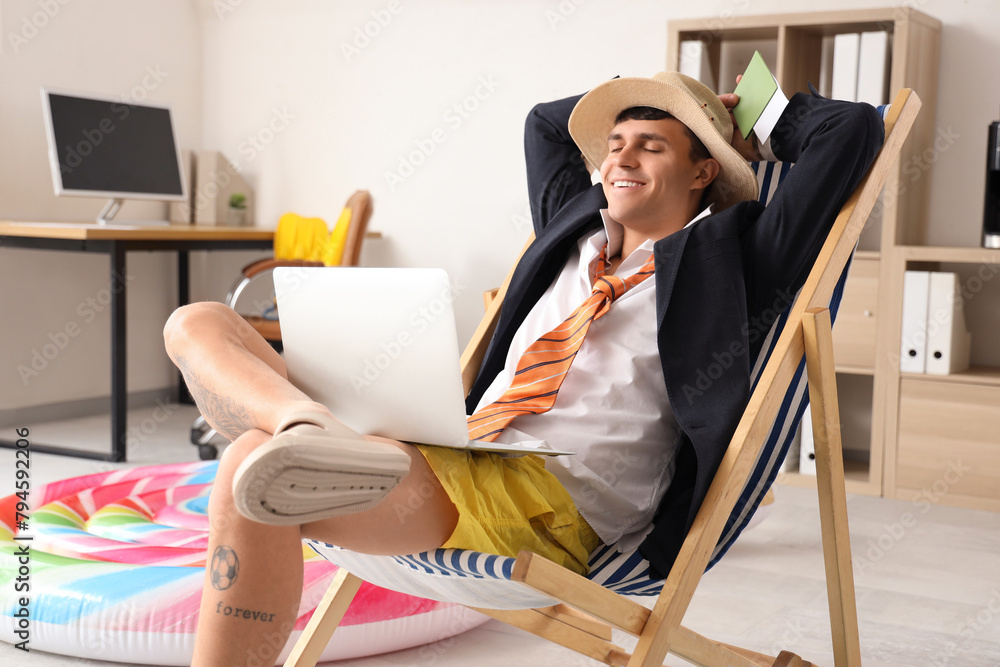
point(748, 148)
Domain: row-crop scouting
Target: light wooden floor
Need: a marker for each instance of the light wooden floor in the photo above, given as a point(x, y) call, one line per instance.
point(928, 577)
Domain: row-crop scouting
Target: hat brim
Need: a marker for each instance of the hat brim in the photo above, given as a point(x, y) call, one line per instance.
point(593, 118)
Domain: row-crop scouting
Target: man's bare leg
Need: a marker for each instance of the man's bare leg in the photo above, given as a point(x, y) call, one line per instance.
point(268, 585)
point(240, 384)
point(237, 379)
point(251, 569)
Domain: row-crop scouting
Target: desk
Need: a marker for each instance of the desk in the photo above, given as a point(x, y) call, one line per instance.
point(116, 241)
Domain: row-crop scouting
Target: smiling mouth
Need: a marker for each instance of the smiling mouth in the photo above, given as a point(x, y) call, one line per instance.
point(626, 184)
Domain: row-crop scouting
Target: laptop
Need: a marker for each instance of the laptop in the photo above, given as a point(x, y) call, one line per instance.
point(378, 347)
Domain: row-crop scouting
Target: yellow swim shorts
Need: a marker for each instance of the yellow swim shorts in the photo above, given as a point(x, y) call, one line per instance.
point(509, 504)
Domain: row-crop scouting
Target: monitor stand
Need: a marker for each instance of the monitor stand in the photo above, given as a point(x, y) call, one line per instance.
point(109, 211)
point(111, 208)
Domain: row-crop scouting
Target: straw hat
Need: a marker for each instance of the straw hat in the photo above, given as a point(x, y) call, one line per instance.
point(690, 102)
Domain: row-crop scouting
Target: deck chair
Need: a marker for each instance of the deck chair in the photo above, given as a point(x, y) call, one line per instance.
point(579, 612)
point(356, 213)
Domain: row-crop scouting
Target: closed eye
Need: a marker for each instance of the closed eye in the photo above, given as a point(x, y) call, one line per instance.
point(647, 146)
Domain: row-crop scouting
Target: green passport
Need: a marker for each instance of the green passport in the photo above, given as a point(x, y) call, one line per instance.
point(755, 89)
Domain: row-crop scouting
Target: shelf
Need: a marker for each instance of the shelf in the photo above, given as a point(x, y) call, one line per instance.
point(827, 23)
point(854, 370)
point(867, 254)
point(988, 376)
point(750, 32)
point(945, 254)
point(855, 479)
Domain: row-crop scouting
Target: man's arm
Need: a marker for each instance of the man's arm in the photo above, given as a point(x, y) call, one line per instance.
point(556, 170)
point(832, 144)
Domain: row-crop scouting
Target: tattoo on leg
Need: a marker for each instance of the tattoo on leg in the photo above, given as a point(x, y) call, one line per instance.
point(225, 568)
point(248, 614)
point(227, 416)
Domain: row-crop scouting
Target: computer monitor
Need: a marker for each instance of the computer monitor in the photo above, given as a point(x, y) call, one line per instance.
point(103, 147)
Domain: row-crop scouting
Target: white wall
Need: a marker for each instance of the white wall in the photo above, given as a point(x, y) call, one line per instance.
point(362, 103)
point(330, 114)
point(149, 50)
point(422, 103)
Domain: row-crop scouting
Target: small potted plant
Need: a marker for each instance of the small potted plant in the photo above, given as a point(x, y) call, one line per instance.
point(237, 210)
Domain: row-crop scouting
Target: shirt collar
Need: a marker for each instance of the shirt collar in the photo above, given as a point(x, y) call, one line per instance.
point(616, 232)
point(704, 214)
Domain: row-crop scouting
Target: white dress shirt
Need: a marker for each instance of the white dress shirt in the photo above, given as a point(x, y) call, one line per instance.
point(612, 408)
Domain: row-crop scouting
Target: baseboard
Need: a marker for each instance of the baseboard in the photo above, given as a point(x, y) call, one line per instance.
point(84, 407)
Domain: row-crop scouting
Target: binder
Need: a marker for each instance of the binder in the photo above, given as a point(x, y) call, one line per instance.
point(695, 62)
point(913, 346)
point(947, 337)
point(791, 462)
point(807, 446)
point(846, 48)
point(873, 68)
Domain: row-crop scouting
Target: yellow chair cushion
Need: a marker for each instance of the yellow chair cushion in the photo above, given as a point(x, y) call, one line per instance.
point(333, 248)
point(298, 237)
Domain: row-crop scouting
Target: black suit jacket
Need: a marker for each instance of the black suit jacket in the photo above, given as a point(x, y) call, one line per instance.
point(719, 282)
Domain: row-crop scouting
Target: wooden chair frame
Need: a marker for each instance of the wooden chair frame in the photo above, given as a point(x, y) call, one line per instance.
point(587, 613)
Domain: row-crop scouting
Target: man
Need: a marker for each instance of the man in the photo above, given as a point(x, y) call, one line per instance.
point(682, 285)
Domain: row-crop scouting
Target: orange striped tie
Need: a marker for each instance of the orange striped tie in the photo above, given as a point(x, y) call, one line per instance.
point(543, 366)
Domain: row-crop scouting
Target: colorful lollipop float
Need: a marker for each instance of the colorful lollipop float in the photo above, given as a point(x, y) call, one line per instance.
point(110, 566)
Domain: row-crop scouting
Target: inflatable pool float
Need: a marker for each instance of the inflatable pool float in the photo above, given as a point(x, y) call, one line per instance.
point(110, 566)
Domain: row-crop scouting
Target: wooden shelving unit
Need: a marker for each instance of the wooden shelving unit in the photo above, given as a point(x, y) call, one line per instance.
point(867, 330)
point(946, 428)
